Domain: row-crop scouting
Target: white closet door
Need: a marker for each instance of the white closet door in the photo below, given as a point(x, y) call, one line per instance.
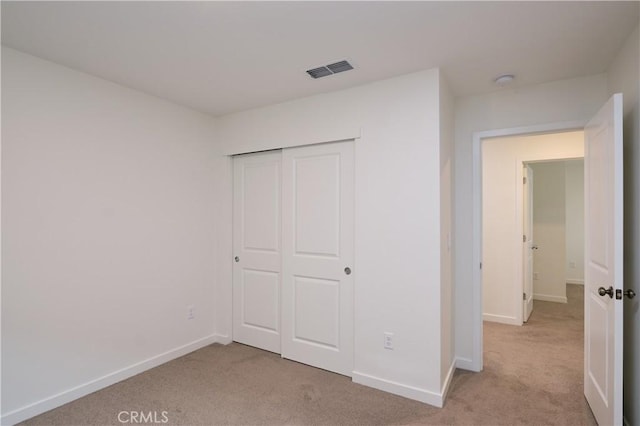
point(257, 250)
point(317, 279)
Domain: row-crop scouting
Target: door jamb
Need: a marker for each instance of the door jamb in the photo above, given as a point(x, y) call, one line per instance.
point(476, 234)
point(520, 212)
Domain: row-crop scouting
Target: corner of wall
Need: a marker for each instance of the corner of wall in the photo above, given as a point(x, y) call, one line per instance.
point(38, 407)
point(224, 247)
point(412, 392)
point(447, 337)
point(622, 76)
point(127, 211)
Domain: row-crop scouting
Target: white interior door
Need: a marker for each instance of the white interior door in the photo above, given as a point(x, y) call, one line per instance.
point(603, 269)
point(527, 246)
point(317, 277)
point(257, 250)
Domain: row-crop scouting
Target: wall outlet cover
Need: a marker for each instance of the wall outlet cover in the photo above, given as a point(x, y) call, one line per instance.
point(388, 340)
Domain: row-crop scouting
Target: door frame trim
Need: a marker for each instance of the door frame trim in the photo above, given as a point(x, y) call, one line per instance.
point(476, 363)
point(520, 213)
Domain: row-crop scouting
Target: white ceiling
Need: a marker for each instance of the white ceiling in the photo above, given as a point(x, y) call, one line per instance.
point(221, 57)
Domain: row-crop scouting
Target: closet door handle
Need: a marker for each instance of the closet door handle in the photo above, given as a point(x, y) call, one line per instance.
point(347, 270)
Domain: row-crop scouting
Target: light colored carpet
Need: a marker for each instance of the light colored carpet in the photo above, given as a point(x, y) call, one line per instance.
point(532, 375)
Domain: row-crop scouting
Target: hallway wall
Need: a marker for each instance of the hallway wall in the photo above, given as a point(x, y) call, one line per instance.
point(549, 231)
point(574, 224)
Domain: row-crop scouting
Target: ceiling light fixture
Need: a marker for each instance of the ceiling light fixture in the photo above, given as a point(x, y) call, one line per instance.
point(504, 79)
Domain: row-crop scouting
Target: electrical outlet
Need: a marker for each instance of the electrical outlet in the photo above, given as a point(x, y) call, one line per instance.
point(572, 265)
point(191, 312)
point(536, 276)
point(388, 340)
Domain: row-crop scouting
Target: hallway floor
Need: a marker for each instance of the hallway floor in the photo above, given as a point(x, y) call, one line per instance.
point(538, 368)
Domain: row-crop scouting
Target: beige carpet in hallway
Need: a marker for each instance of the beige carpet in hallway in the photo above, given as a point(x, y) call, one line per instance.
point(532, 375)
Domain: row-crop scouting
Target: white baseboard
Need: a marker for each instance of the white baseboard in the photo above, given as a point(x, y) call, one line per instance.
point(467, 364)
point(222, 339)
point(447, 380)
point(407, 391)
point(549, 298)
point(84, 389)
point(578, 281)
point(501, 319)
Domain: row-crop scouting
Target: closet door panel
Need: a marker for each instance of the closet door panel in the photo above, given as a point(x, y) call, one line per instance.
point(317, 218)
point(257, 250)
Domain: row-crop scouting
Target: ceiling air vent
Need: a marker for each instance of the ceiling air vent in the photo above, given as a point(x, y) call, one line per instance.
point(319, 72)
point(340, 67)
point(330, 69)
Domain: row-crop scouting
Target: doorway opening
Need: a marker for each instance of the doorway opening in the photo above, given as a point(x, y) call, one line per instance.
point(557, 234)
point(603, 231)
point(476, 362)
point(511, 195)
point(532, 246)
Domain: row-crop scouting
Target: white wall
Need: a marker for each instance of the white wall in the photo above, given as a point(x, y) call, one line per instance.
point(502, 193)
point(559, 101)
point(128, 219)
point(397, 267)
point(109, 231)
point(623, 77)
point(447, 360)
point(574, 224)
point(549, 232)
